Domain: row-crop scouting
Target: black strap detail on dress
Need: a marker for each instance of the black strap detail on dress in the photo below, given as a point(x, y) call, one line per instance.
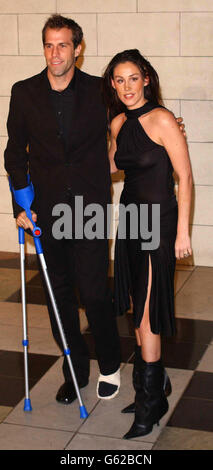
point(136, 113)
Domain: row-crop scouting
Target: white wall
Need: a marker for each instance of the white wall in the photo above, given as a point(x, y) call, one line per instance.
point(175, 35)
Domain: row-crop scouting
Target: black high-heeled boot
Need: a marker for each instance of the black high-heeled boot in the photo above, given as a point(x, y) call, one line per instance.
point(138, 362)
point(150, 401)
point(136, 380)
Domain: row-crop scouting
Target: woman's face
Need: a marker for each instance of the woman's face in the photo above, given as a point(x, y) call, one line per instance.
point(129, 84)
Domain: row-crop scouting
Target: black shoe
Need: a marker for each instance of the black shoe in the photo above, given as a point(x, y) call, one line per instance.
point(67, 394)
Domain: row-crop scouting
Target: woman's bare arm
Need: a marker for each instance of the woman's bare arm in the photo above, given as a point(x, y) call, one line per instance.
point(175, 144)
point(115, 126)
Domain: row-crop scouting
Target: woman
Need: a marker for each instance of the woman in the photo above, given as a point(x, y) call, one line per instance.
point(147, 143)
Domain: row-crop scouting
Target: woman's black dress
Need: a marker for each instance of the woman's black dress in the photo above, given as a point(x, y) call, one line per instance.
point(148, 181)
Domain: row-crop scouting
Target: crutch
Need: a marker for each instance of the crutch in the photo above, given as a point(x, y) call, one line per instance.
point(24, 198)
point(25, 342)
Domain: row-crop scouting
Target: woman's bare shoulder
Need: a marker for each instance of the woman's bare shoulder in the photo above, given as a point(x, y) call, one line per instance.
point(167, 127)
point(117, 123)
point(163, 116)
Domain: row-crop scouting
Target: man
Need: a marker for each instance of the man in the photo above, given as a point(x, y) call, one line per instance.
point(57, 127)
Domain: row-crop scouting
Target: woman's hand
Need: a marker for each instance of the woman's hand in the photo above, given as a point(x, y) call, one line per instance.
point(23, 221)
point(183, 247)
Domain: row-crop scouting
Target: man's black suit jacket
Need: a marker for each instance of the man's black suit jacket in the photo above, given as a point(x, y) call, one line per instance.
point(34, 141)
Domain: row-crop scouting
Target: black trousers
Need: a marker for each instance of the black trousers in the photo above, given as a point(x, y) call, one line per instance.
point(82, 264)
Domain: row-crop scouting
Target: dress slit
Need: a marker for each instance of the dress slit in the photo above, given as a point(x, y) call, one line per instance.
point(148, 293)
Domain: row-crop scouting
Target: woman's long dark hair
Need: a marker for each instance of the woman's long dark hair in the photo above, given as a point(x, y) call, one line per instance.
point(151, 91)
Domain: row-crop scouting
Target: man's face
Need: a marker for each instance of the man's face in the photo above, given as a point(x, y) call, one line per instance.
point(59, 51)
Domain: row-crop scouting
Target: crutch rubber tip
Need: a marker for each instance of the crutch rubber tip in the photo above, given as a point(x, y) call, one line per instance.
point(83, 412)
point(27, 405)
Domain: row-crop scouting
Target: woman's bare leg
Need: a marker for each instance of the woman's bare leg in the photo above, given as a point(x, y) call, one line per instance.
point(150, 342)
point(137, 335)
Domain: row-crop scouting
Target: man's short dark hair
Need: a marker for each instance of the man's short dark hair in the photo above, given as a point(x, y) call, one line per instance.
point(57, 22)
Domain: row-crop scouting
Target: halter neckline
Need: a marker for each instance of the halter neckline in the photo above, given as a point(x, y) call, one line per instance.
point(136, 113)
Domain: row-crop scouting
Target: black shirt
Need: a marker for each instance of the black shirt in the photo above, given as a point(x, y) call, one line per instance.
point(62, 102)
